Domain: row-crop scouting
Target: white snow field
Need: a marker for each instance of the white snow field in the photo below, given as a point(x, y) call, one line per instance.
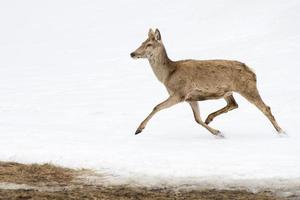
point(71, 95)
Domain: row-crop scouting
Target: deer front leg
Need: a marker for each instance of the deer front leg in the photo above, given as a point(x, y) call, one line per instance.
point(196, 112)
point(172, 100)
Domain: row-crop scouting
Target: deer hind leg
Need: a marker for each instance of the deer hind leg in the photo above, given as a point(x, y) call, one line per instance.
point(253, 97)
point(231, 104)
point(196, 112)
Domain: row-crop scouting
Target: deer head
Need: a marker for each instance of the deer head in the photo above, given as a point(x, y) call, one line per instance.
point(152, 46)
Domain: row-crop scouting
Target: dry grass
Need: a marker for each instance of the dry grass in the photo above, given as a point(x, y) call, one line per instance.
point(52, 176)
point(35, 174)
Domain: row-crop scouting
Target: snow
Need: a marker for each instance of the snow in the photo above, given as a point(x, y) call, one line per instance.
point(70, 94)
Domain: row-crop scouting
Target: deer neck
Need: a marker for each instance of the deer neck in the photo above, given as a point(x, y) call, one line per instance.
point(161, 65)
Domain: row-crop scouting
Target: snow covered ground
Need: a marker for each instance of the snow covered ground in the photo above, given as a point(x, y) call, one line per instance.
point(71, 95)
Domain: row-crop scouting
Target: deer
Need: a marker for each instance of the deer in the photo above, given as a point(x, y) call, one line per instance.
point(199, 80)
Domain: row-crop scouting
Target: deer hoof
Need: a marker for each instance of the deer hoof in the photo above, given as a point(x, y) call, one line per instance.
point(282, 133)
point(219, 135)
point(138, 131)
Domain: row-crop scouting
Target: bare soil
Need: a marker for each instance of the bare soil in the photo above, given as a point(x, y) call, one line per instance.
point(44, 182)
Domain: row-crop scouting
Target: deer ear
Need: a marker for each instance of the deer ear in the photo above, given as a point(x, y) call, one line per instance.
point(157, 35)
point(150, 33)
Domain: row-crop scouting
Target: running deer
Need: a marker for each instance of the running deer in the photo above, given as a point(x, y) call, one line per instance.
point(199, 80)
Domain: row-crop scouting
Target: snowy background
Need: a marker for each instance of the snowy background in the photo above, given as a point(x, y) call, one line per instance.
point(70, 94)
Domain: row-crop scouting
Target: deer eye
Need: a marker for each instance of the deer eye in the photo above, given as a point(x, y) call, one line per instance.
point(148, 45)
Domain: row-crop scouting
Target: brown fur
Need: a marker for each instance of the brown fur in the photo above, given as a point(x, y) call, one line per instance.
point(198, 80)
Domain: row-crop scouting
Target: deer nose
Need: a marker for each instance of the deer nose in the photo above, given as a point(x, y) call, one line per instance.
point(132, 54)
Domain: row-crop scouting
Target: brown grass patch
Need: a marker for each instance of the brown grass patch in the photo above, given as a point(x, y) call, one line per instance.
point(63, 180)
point(35, 174)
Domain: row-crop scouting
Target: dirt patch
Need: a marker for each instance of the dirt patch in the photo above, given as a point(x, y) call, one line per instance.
point(125, 193)
point(62, 183)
